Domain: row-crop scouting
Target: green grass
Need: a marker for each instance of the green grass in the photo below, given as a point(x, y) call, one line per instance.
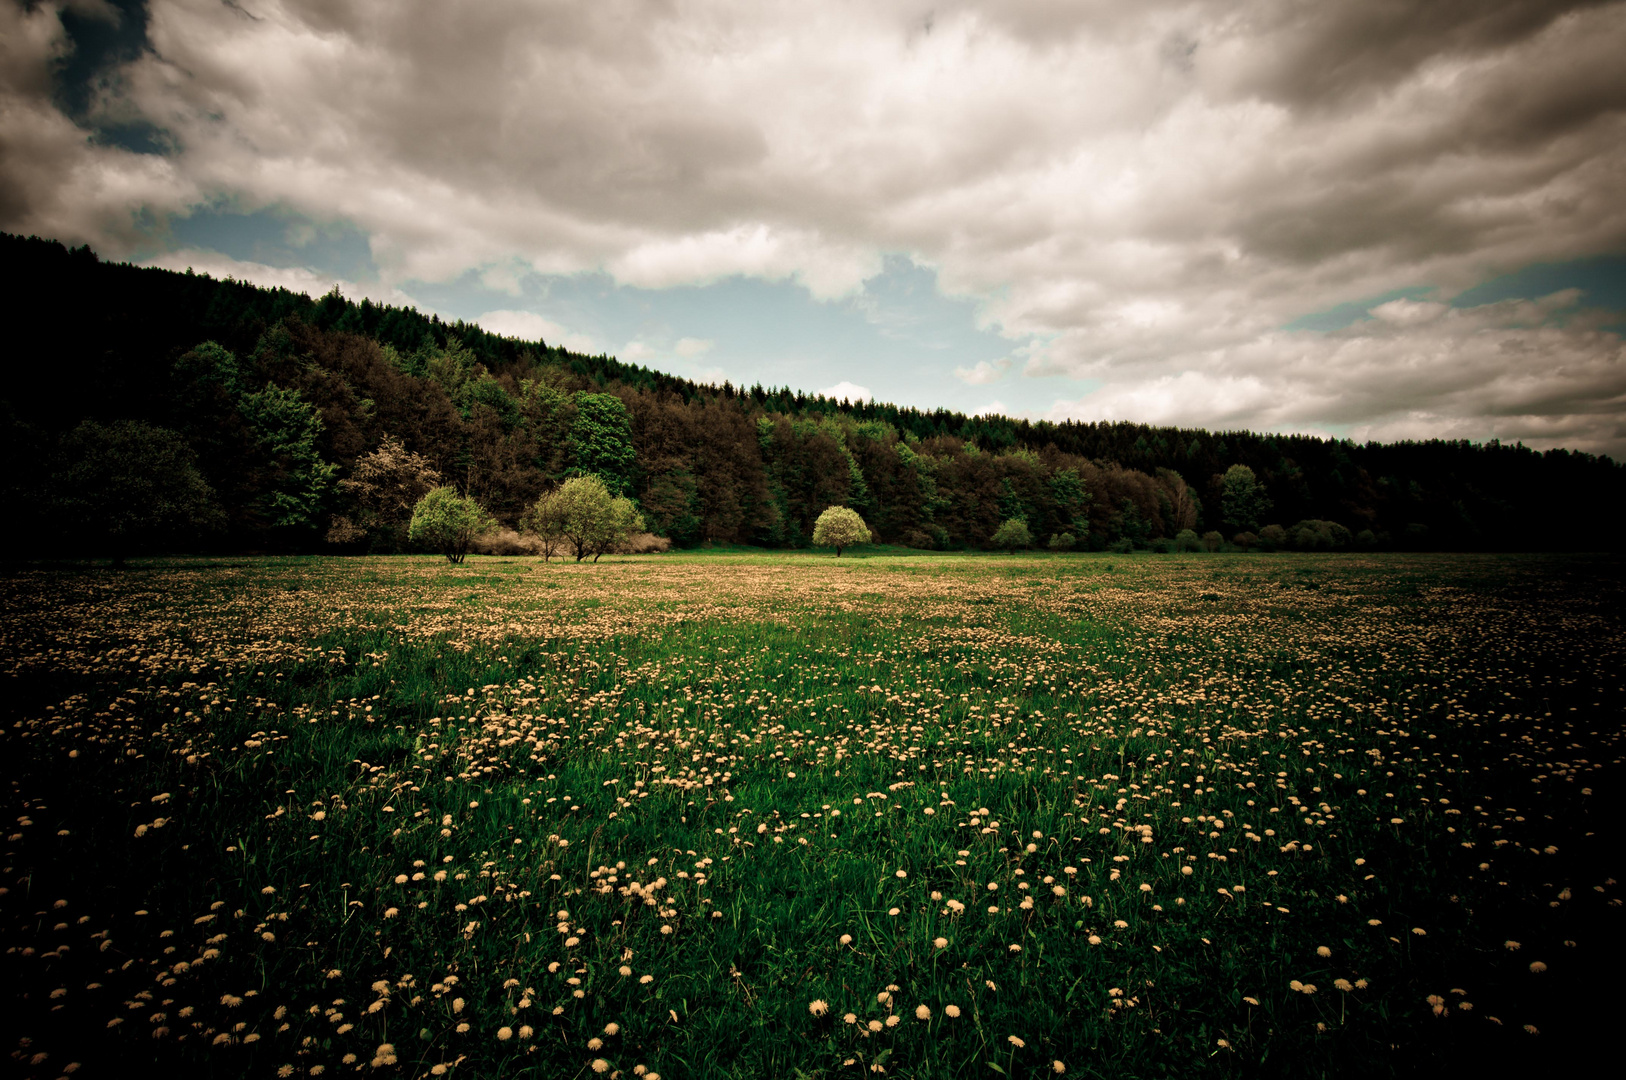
point(1223, 763)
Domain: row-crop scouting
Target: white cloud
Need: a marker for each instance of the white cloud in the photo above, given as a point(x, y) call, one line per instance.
point(689, 347)
point(529, 326)
point(1140, 194)
point(1508, 370)
point(849, 391)
point(636, 352)
point(295, 279)
point(982, 372)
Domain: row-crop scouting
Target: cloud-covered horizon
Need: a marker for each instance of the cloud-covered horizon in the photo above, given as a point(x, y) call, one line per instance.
point(1136, 203)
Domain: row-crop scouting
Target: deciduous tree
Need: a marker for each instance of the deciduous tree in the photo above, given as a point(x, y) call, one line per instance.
point(840, 527)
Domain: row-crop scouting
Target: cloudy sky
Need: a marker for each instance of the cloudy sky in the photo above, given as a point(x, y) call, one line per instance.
point(1367, 218)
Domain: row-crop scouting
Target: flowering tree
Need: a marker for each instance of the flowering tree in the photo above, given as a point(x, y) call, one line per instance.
point(840, 527)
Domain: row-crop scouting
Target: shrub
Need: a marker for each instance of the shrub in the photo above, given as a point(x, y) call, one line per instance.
point(1122, 546)
point(1012, 535)
point(506, 542)
point(644, 543)
point(1186, 540)
point(1366, 540)
point(840, 527)
point(1245, 540)
point(1212, 541)
point(1063, 541)
point(446, 522)
point(1272, 538)
point(1316, 535)
point(1162, 545)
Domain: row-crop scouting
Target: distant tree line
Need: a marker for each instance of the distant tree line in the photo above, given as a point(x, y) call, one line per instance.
point(145, 408)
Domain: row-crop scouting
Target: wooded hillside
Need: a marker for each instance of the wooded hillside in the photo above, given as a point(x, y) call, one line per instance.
point(272, 397)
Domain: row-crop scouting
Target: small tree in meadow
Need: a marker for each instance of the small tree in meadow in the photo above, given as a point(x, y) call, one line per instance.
point(1063, 541)
point(1212, 541)
point(1012, 535)
point(1186, 540)
point(840, 527)
point(582, 517)
point(446, 522)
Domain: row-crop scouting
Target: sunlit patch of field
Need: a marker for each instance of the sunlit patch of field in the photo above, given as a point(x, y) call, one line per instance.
point(791, 816)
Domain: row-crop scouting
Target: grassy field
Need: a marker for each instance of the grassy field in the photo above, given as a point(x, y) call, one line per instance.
point(789, 816)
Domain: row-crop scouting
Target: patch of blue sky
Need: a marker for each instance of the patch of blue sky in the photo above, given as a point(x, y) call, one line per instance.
point(276, 237)
point(1601, 280)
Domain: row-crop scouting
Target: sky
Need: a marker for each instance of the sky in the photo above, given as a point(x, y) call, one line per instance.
point(1369, 219)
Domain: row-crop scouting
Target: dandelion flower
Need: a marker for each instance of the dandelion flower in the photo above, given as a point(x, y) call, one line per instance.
point(850, 1018)
point(922, 1013)
point(846, 939)
point(1014, 1041)
point(1537, 967)
point(941, 943)
point(504, 1034)
point(951, 1011)
point(1057, 1067)
point(612, 1030)
point(600, 1065)
point(818, 1007)
point(1322, 951)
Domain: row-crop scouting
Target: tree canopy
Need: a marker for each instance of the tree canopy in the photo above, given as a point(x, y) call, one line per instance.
point(284, 401)
point(840, 527)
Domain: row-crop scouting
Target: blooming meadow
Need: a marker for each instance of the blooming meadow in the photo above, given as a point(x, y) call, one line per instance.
point(782, 816)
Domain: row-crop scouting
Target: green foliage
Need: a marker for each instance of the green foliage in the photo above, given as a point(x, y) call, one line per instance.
point(1012, 534)
point(1272, 538)
point(287, 429)
point(1212, 540)
point(1242, 497)
point(1064, 541)
point(601, 441)
point(1315, 535)
point(1186, 540)
point(502, 416)
point(584, 517)
point(447, 522)
point(840, 527)
point(125, 486)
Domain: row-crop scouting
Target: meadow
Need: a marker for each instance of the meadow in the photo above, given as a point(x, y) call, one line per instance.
point(792, 816)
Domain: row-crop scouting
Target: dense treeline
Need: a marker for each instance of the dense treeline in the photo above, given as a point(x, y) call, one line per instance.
point(272, 401)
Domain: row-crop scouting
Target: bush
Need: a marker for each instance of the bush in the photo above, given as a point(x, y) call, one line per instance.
point(1186, 540)
point(446, 522)
point(1272, 538)
point(1122, 546)
point(840, 527)
point(1012, 535)
point(1366, 540)
point(1245, 540)
point(506, 542)
point(1063, 541)
point(1212, 541)
point(644, 543)
point(1317, 535)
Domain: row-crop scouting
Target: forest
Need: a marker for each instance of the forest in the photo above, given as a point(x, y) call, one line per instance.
point(159, 411)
